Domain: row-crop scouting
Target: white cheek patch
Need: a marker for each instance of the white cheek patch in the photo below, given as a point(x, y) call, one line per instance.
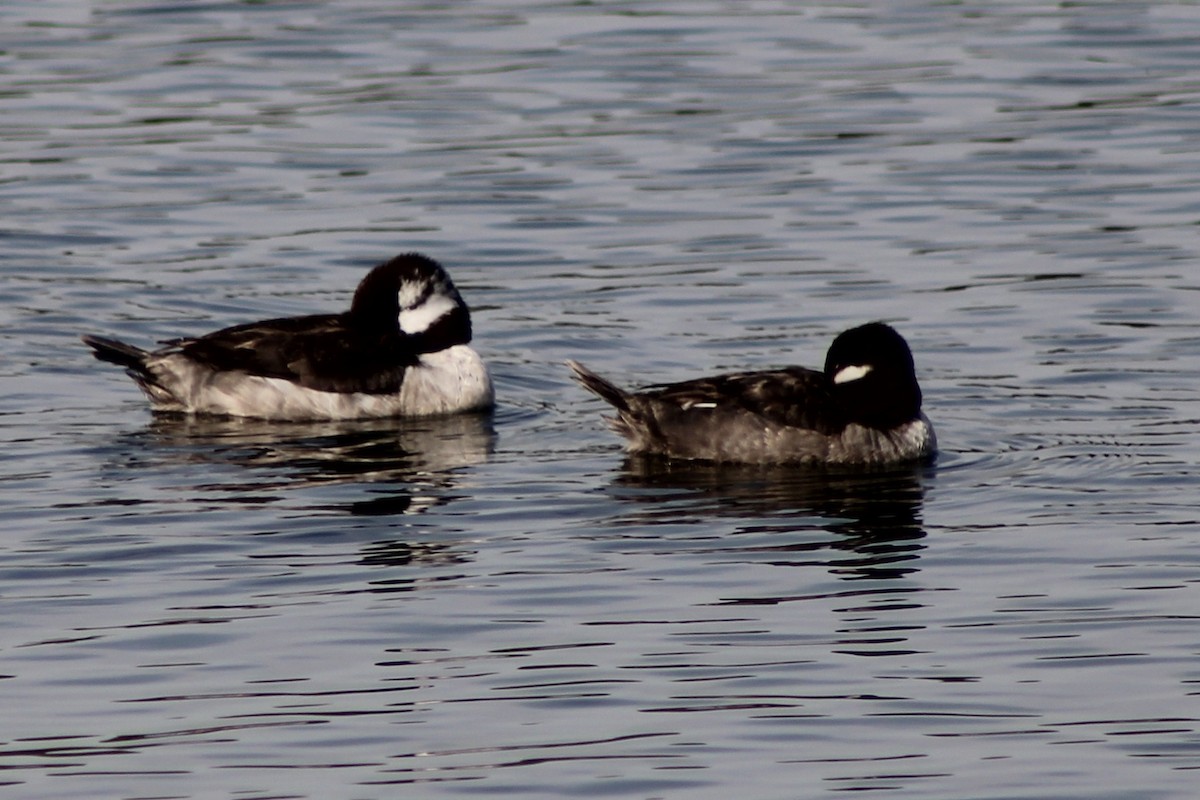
point(418, 320)
point(410, 292)
point(853, 372)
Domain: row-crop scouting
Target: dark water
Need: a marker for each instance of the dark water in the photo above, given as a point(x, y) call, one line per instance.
point(506, 606)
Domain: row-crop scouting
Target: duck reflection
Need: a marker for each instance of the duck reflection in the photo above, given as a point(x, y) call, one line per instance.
point(875, 514)
point(410, 464)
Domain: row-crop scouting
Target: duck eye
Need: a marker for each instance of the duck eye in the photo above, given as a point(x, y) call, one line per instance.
point(853, 372)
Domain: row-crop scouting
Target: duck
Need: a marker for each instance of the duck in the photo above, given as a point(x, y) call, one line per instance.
point(863, 408)
point(402, 349)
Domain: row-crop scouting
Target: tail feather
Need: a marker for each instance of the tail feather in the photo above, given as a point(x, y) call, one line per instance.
point(634, 421)
point(116, 352)
point(136, 362)
point(604, 389)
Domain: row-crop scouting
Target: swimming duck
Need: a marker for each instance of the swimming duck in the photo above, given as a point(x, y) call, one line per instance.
point(863, 408)
point(402, 349)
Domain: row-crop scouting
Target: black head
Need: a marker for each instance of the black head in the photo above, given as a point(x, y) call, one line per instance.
point(414, 294)
point(871, 374)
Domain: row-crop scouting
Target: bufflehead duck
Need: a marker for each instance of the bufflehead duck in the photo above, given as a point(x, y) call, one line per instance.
point(401, 350)
point(865, 408)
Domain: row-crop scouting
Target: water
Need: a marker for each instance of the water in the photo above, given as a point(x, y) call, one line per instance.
point(660, 189)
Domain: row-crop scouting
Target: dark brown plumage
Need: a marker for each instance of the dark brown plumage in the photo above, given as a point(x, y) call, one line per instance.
point(865, 407)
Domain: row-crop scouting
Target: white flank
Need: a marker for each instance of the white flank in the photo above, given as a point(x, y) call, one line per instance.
point(418, 320)
point(450, 381)
point(853, 372)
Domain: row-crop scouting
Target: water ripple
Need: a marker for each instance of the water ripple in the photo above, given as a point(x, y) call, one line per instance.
point(510, 605)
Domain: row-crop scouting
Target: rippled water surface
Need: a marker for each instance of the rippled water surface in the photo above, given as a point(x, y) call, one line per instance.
point(505, 606)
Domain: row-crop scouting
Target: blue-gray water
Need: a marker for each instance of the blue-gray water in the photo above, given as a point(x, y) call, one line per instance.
point(505, 607)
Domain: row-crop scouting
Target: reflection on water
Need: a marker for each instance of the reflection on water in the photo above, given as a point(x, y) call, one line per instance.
point(874, 514)
point(402, 461)
point(386, 473)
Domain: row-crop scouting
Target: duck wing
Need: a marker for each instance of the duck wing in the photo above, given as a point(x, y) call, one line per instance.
point(794, 396)
point(325, 352)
